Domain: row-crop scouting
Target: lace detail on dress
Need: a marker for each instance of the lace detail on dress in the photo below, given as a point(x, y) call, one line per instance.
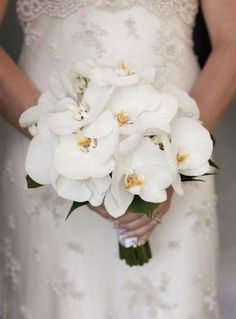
point(28, 10)
point(145, 292)
point(65, 287)
point(10, 265)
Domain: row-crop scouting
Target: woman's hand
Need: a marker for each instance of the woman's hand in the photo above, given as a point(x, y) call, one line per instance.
point(101, 210)
point(138, 225)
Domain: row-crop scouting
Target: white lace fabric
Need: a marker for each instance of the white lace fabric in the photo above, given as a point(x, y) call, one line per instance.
point(29, 10)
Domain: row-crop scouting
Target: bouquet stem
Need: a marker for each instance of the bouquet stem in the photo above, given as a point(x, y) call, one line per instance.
point(135, 256)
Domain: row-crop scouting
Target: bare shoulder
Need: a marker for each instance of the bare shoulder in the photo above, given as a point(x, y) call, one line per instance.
point(220, 17)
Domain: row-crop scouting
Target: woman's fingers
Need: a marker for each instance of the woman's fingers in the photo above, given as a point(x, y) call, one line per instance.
point(142, 239)
point(141, 231)
point(127, 218)
point(134, 224)
point(139, 220)
point(100, 210)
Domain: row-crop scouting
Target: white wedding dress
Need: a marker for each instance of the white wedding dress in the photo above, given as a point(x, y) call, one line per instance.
point(52, 269)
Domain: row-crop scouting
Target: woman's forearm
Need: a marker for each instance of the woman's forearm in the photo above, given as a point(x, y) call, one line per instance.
point(17, 92)
point(215, 88)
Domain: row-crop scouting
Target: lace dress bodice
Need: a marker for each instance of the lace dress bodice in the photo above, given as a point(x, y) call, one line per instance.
point(158, 32)
point(29, 10)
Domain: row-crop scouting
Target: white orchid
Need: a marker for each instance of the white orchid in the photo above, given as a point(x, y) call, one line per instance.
point(39, 159)
point(75, 113)
point(92, 189)
point(106, 72)
point(188, 150)
point(143, 171)
point(88, 152)
point(46, 104)
point(141, 109)
point(39, 166)
point(193, 146)
point(187, 105)
point(80, 83)
point(49, 101)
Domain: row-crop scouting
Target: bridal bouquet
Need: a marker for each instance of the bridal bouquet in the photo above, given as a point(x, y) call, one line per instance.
point(104, 134)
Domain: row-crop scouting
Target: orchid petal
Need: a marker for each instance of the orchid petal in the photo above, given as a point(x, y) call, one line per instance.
point(63, 123)
point(117, 210)
point(187, 105)
point(101, 127)
point(72, 190)
point(107, 145)
point(99, 185)
point(188, 134)
point(203, 169)
point(38, 162)
point(31, 116)
point(129, 143)
point(60, 85)
point(133, 100)
point(96, 199)
point(79, 164)
point(172, 164)
point(97, 97)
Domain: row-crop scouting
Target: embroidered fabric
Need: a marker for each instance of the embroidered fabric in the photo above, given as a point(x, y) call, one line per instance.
point(29, 10)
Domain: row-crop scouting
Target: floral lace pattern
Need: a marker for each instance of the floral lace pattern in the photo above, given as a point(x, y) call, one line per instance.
point(203, 217)
point(63, 286)
point(28, 10)
point(91, 35)
point(11, 266)
point(145, 293)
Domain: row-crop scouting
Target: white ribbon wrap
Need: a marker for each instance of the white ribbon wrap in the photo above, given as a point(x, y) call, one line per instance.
point(126, 242)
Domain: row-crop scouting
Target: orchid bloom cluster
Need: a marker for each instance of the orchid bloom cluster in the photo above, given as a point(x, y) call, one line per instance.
point(104, 134)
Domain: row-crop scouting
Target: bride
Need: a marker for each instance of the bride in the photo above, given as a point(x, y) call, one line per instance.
point(53, 269)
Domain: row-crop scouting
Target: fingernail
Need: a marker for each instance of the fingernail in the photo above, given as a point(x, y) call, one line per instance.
point(123, 236)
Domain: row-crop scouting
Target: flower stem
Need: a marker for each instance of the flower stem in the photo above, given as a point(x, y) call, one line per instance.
point(135, 256)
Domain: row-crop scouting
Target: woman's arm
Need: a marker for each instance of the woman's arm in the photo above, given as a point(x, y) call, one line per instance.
point(17, 92)
point(215, 88)
point(3, 9)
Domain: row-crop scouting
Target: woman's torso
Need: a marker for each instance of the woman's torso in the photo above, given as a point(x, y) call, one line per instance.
point(57, 33)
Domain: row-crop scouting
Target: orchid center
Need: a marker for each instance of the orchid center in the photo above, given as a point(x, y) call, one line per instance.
point(158, 142)
point(81, 83)
point(33, 130)
point(124, 69)
point(85, 143)
point(79, 111)
point(123, 118)
point(183, 108)
point(182, 157)
point(134, 183)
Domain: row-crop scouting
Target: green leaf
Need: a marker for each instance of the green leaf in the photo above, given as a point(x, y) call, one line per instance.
point(74, 206)
point(213, 139)
point(140, 206)
point(213, 164)
point(185, 178)
point(31, 183)
point(209, 174)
